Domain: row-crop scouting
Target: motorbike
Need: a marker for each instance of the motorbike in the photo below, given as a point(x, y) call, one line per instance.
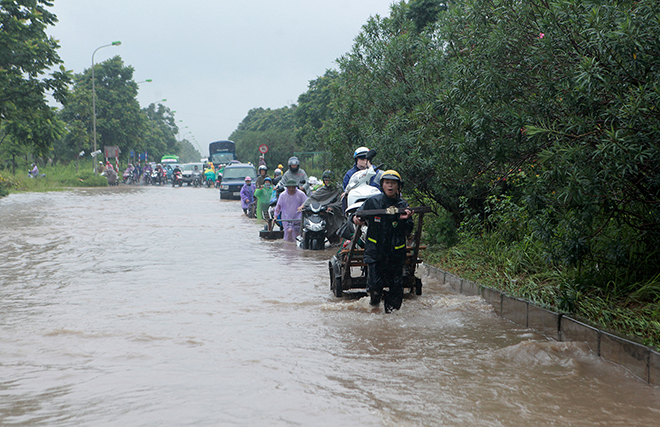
point(314, 226)
point(197, 178)
point(112, 177)
point(358, 189)
point(155, 177)
point(147, 177)
point(177, 179)
point(128, 176)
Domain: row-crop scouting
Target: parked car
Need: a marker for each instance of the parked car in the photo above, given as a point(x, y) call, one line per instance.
point(233, 178)
point(187, 172)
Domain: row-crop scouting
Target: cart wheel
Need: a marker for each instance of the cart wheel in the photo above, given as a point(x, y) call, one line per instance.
point(338, 290)
point(418, 286)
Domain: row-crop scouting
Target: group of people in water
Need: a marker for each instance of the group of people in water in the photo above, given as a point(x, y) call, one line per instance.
point(385, 245)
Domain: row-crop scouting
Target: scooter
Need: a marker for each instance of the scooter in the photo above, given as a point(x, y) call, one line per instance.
point(177, 179)
point(197, 178)
point(358, 189)
point(128, 176)
point(314, 228)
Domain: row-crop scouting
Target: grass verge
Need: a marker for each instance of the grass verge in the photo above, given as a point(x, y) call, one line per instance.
point(52, 178)
point(519, 270)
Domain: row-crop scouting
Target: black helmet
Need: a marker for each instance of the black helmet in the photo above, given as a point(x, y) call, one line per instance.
point(293, 161)
point(262, 168)
point(328, 175)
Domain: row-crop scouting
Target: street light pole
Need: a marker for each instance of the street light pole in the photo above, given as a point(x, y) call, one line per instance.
point(117, 43)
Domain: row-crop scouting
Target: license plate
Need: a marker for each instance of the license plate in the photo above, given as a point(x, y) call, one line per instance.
point(236, 193)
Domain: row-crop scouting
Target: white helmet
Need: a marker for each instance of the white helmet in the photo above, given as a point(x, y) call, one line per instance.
point(360, 152)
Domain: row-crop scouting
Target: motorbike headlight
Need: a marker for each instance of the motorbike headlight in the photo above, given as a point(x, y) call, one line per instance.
point(316, 227)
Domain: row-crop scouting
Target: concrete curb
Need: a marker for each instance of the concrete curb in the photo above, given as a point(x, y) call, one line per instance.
point(642, 361)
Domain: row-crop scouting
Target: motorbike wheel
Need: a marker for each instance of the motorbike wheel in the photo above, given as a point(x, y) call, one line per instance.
point(315, 244)
point(418, 286)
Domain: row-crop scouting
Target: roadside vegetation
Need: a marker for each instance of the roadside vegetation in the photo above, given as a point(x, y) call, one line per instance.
point(60, 177)
point(531, 128)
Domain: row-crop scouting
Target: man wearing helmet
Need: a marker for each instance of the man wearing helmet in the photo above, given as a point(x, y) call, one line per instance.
point(362, 157)
point(385, 248)
point(294, 173)
point(262, 172)
point(277, 176)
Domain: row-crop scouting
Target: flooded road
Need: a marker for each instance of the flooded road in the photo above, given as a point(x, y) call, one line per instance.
point(143, 306)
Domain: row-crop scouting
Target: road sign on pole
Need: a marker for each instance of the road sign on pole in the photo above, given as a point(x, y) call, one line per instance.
point(263, 148)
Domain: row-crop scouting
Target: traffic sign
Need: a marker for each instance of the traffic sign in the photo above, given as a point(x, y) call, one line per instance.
point(263, 148)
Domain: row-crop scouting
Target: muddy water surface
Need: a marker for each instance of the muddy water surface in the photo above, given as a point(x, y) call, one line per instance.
point(138, 306)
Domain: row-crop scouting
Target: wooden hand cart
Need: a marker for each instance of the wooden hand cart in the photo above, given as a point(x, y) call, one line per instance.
point(348, 261)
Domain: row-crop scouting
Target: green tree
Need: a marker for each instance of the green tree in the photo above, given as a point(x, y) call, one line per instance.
point(188, 153)
point(160, 132)
point(27, 123)
point(314, 109)
point(274, 128)
point(119, 119)
point(553, 105)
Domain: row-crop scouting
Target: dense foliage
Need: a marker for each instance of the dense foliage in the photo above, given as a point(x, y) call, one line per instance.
point(27, 123)
point(275, 128)
point(533, 121)
point(532, 127)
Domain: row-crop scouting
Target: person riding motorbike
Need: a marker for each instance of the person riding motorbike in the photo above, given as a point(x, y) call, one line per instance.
point(277, 176)
point(385, 247)
point(111, 175)
point(311, 185)
point(362, 157)
point(294, 173)
point(262, 172)
point(328, 195)
point(177, 174)
point(162, 176)
point(209, 174)
point(34, 172)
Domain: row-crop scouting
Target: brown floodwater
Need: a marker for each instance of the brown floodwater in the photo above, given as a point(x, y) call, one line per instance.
point(143, 306)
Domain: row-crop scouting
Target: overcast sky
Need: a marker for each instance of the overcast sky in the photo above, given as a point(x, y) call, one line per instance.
point(213, 60)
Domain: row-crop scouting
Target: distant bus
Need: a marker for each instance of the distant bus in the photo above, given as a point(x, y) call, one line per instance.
point(169, 159)
point(222, 152)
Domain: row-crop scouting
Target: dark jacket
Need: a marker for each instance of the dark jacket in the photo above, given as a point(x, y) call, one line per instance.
point(386, 234)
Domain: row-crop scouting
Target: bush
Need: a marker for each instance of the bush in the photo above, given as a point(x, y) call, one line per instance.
point(439, 230)
point(6, 183)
